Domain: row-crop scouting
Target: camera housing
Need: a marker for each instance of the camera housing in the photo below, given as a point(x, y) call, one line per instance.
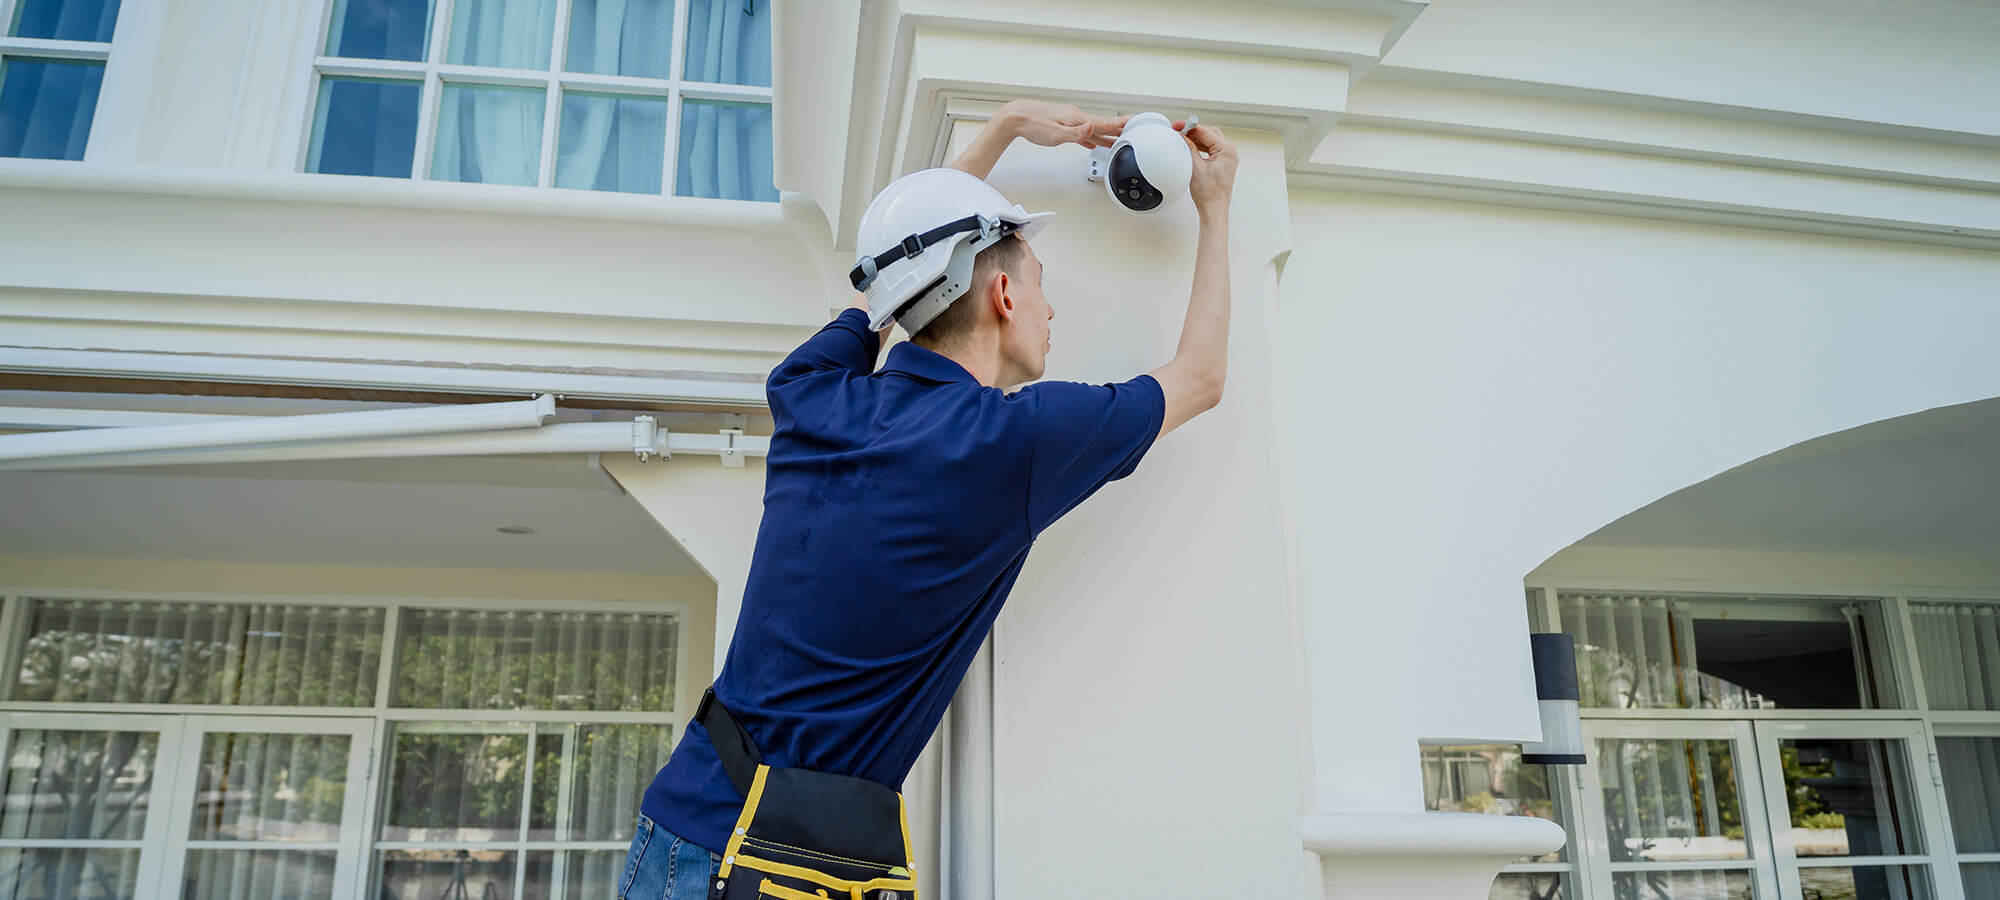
point(1148, 168)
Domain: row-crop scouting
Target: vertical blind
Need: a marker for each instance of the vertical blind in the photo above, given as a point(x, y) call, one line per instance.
point(487, 659)
point(1971, 771)
point(139, 651)
point(1637, 652)
point(1958, 646)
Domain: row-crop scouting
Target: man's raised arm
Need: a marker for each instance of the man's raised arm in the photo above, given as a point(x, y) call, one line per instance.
point(1047, 124)
point(1192, 381)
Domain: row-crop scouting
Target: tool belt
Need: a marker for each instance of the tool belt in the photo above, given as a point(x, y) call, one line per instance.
point(806, 835)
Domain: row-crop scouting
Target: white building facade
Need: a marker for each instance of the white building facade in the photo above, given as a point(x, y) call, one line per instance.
point(391, 373)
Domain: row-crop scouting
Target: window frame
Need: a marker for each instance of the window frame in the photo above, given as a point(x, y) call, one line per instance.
point(432, 72)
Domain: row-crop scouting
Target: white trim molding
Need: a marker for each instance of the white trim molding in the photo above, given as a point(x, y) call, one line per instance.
point(1421, 854)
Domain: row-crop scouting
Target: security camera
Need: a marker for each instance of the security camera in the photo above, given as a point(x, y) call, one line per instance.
point(1147, 169)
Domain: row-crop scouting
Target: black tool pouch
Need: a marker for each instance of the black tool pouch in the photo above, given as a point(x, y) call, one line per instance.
point(805, 835)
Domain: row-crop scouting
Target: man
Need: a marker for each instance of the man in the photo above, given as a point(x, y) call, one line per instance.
point(899, 507)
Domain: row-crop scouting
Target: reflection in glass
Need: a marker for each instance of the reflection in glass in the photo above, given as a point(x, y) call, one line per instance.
point(489, 134)
point(547, 781)
point(66, 20)
point(455, 786)
point(614, 764)
point(263, 874)
point(594, 873)
point(422, 874)
point(78, 784)
point(1528, 886)
point(1667, 800)
point(612, 143)
point(729, 41)
point(365, 126)
point(481, 659)
point(510, 34)
point(379, 29)
point(67, 874)
point(1652, 652)
point(1489, 778)
point(141, 651)
point(1958, 645)
point(621, 37)
point(725, 151)
point(1867, 883)
point(270, 787)
point(1981, 879)
point(46, 106)
point(1684, 885)
point(1971, 771)
point(1847, 798)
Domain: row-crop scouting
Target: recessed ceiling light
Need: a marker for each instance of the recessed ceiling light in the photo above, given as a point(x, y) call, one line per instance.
point(515, 529)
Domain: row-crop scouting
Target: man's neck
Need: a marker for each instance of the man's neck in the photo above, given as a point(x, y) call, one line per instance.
point(981, 360)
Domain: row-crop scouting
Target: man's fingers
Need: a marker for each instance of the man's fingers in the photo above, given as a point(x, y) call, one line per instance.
point(1208, 139)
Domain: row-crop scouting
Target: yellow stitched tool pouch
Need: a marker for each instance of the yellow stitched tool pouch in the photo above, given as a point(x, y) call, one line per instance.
point(807, 835)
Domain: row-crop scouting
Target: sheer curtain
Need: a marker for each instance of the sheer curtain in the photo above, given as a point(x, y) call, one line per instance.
point(725, 149)
point(1971, 770)
point(139, 651)
point(494, 134)
point(1638, 652)
point(496, 659)
point(1959, 646)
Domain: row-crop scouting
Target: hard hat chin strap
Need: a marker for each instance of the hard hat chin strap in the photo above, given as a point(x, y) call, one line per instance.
point(864, 272)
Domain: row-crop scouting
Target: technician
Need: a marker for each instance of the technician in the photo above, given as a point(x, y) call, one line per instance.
point(899, 505)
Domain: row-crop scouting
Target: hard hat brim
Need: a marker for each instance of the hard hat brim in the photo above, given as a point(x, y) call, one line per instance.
point(1026, 226)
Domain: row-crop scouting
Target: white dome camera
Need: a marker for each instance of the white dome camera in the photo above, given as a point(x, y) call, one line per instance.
point(1147, 170)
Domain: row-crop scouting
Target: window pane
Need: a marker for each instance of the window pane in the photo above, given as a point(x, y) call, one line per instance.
point(1712, 885)
point(66, 20)
point(729, 42)
point(1675, 653)
point(1529, 886)
point(365, 127)
point(489, 134)
point(1971, 770)
point(379, 29)
point(79, 784)
point(1981, 879)
point(141, 651)
point(1958, 646)
point(614, 764)
point(265, 874)
point(1847, 798)
point(1667, 800)
point(422, 874)
point(725, 151)
point(621, 37)
point(594, 873)
point(1488, 778)
point(547, 788)
point(480, 659)
point(510, 34)
point(1868, 883)
point(70, 874)
point(270, 787)
point(455, 786)
point(46, 106)
point(612, 143)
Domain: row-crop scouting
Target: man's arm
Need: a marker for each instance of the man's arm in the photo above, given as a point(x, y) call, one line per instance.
point(1192, 381)
point(1047, 124)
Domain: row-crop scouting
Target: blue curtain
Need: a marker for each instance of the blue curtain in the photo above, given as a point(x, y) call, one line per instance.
point(46, 106)
point(729, 42)
point(612, 143)
point(621, 37)
point(379, 29)
point(725, 148)
point(489, 134)
point(67, 20)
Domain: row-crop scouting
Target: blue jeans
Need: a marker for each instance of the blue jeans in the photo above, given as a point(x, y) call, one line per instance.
point(663, 866)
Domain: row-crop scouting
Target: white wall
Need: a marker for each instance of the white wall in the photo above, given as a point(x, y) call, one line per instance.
point(1474, 388)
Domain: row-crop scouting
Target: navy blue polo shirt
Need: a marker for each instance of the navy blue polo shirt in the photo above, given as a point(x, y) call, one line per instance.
point(899, 506)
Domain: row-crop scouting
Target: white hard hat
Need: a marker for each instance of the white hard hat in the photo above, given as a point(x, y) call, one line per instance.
point(918, 239)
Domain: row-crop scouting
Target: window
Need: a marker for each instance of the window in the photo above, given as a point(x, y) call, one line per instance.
point(635, 96)
point(326, 750)
point(52, 57)
point(1492, 779)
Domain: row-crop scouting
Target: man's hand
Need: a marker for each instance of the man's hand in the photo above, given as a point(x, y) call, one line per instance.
point(1047, 124)
point(1214, 179)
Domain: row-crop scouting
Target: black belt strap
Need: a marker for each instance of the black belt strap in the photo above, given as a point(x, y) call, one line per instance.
point(863, 274)
point(733, 745)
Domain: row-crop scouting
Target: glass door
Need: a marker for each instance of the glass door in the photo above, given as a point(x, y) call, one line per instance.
point(1852, 809)
point(1672, 811)
point(80, 802)
point(267, 807)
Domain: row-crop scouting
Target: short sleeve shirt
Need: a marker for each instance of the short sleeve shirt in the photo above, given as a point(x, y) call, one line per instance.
point(899, 506)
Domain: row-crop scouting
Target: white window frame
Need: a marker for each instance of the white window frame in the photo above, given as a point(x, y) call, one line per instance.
point(432, 72)
point(1899, 655)
point(173, 721)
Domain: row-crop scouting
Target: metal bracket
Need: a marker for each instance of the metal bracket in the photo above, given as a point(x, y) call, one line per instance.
point(646, 438)
point(1100, 162)
point(732, 428)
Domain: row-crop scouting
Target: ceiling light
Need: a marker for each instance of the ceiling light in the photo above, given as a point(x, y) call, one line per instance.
point(515, 529)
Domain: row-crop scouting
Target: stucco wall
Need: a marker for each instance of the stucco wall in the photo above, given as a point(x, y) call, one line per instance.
point(1473, 388)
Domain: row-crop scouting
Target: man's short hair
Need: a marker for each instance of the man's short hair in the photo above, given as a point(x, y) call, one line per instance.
point(957, 319)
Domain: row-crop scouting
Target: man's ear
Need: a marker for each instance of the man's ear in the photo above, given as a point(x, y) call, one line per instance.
point(1003, 302)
